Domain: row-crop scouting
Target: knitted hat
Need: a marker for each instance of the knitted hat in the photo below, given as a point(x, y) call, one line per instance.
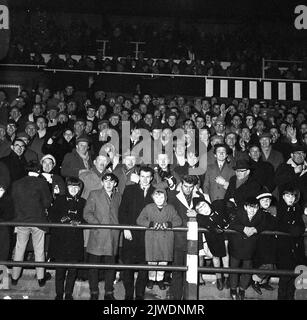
point(264, 193)
point(48, 156)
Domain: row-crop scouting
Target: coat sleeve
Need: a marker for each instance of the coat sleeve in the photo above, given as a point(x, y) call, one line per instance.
point(206, 184)
point(143, 218)
point(89, 212)
point(237, 224)
point(175, 219)
point(123, 215)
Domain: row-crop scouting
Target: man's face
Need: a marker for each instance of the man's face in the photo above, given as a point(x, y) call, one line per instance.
point(254, 153)
point(236, 121)
point(260, 125)
point(130, 161)
point(62, 118)
point(47, 165)
point(245, 133)
point(187, 188)
point(231, 140)
point(91, 112)
point(11, 129)
point(188, 125)
point(145, 178)
point(114, 121)
point(265, 202)
point(200, 122)
point(180, 149)
point(108, 184)
point(136, 99)
point(163, 161)
point(52, 114)
point(171, 121)
point(41, 123)
point(298, 157)
point(136, 117)
point(156, 133)
point(79, 127)
point(256, 108)
point(100, 163)
point(148, 119)
point(82, 147)
point(88, 127)
point(37, 109)
point(221, 154)
point(219, 127)
point(265, 142)
point(15, 113)
point(275, 134)
point(19, 147)
point(249, 121)
point(31, 130)
point(146, 99)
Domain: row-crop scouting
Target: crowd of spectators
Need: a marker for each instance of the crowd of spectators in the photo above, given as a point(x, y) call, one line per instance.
point(243, 47)
point(58, 150)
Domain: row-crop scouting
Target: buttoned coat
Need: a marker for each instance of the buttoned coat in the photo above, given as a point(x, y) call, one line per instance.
point(159, 244)
point(100, 209)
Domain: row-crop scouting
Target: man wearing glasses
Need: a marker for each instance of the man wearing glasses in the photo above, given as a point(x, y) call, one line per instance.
point(16, 161)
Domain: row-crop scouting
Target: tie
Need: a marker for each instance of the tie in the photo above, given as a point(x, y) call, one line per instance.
point(145, 191)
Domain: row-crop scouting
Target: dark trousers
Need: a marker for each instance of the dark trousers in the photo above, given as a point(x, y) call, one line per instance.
point(93, 274)
point(178, 284)
point(286, 288)
point(128, 280)
point(245, 279)
point(62, 274)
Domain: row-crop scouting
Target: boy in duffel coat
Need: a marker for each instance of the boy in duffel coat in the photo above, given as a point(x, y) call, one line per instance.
point(249, 222)
point(159, 245)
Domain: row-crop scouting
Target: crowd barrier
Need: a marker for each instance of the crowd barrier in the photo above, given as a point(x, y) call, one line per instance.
point(192, 269)
point(166, 84)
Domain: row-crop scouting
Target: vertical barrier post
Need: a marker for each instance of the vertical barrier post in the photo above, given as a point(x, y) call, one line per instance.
point(263, 66)
point(191, 292)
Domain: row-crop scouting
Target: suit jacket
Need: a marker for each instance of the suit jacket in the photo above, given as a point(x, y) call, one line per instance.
point(132, 204)
point(210, 187)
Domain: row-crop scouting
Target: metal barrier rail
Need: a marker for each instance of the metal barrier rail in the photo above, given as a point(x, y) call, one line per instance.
point(52, 265)
point(192, 269)
point(125, 227)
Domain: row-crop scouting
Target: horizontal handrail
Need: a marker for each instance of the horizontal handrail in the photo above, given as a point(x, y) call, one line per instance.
point(152, 75)
point(23, 65)
point(286, 61)
point(123, 227)
point(146, 267)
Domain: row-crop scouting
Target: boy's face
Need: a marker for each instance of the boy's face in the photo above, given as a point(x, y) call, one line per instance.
point(289, 198)
point(73, 190)
point(203, 208)
point(251, 209)
point(158, 198)
point(108, 185)
point(265, 203)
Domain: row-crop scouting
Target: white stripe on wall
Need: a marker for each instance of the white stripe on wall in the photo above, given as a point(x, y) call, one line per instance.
point(238, 89)
point(296, 91)
point(224, 88)
point(267, 90)
point(209, 87)
point(281, 91)
point(253, 89)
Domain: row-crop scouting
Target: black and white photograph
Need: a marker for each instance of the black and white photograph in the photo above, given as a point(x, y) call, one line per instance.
point(153, 153)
